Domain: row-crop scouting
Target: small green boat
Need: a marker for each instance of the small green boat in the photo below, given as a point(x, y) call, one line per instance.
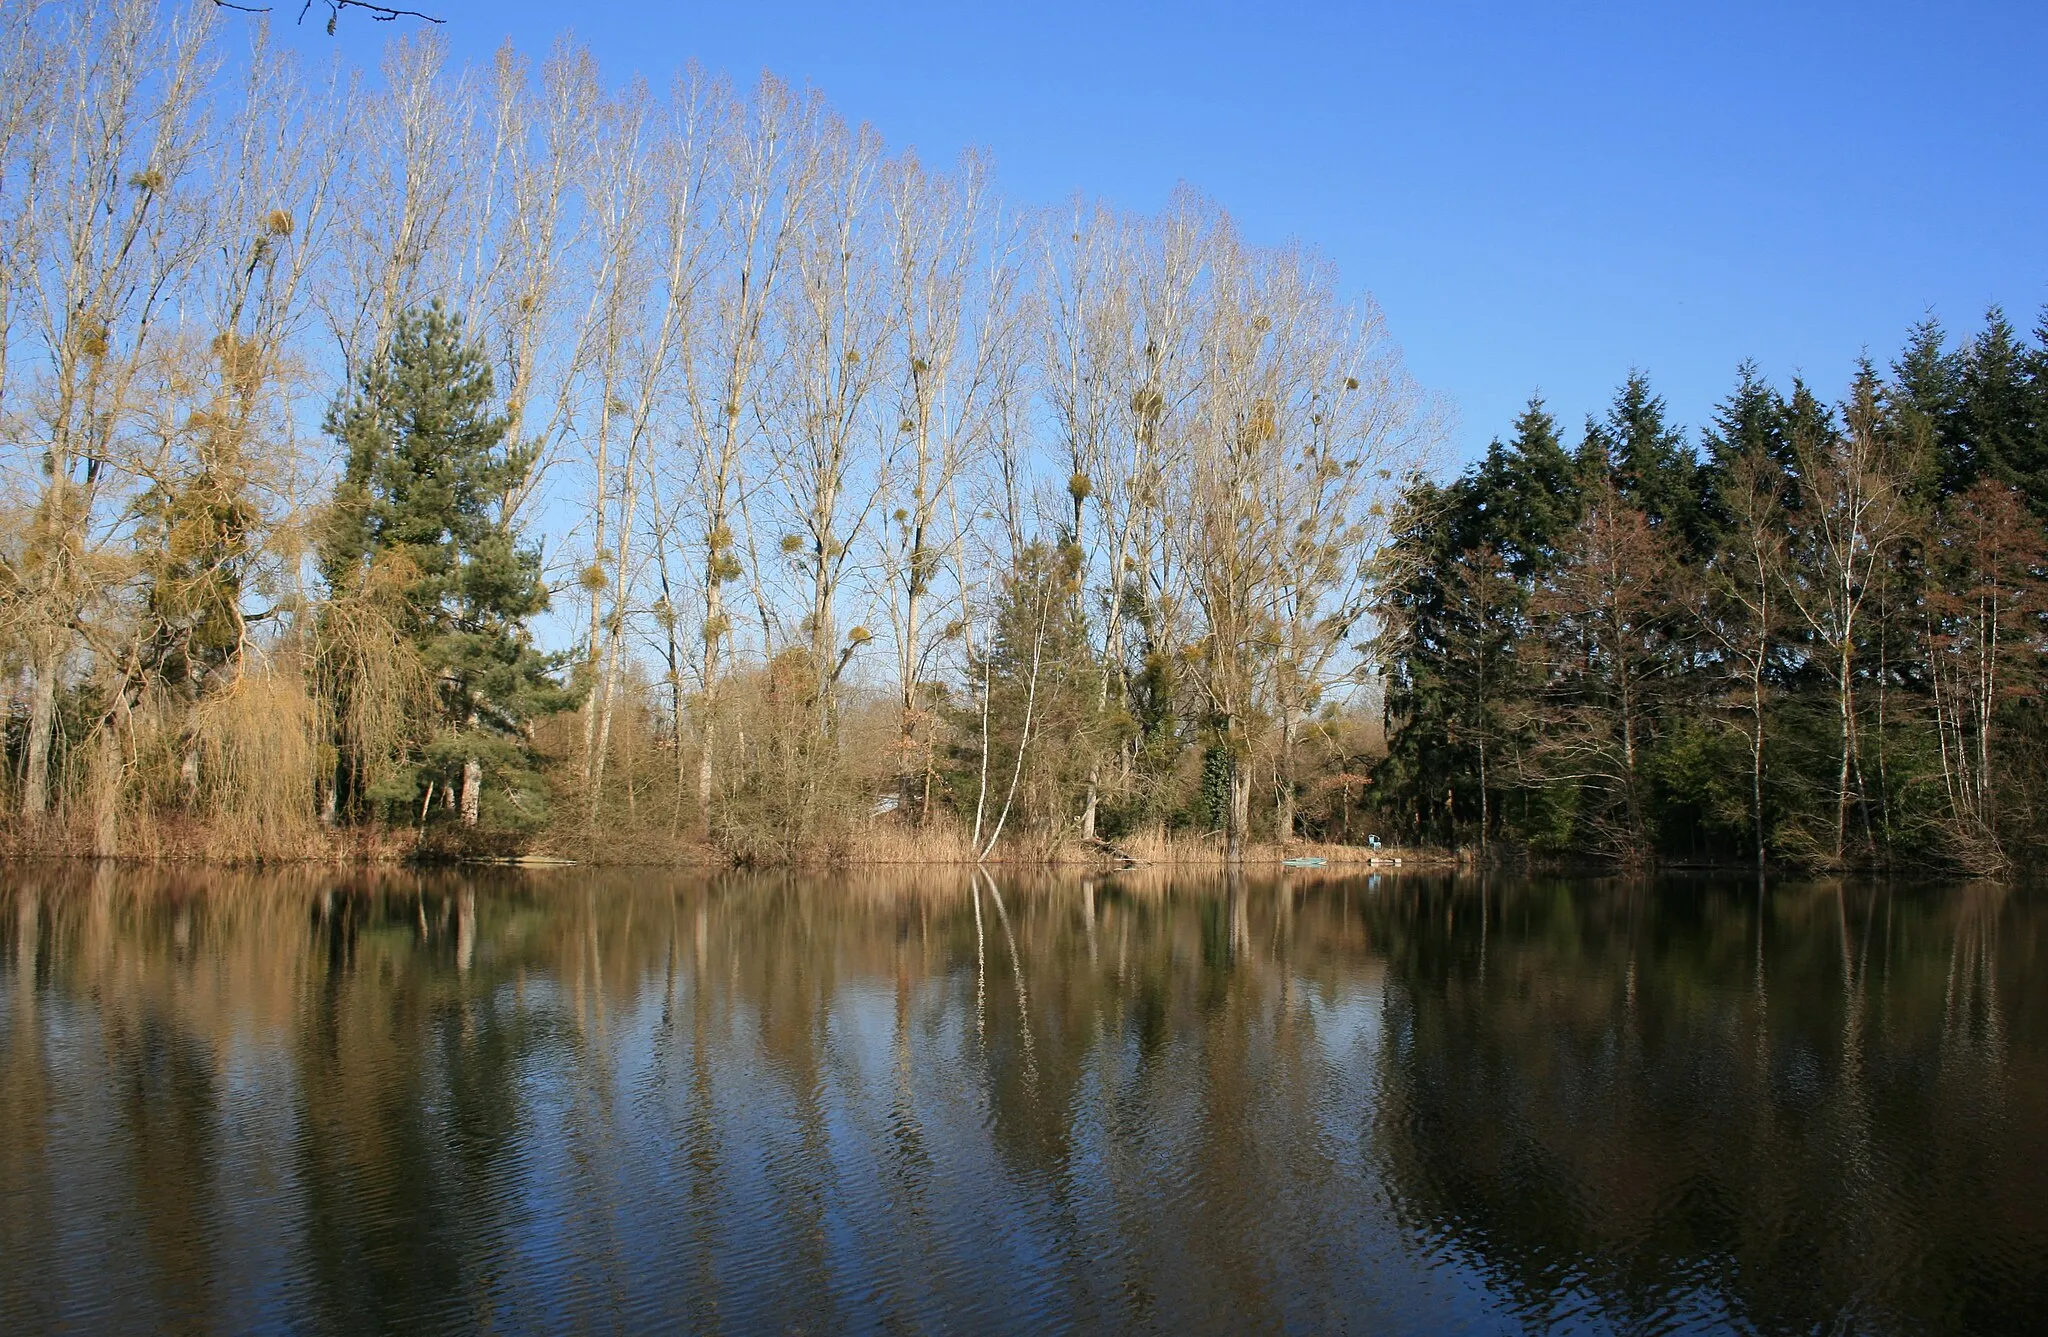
point(1303, 863)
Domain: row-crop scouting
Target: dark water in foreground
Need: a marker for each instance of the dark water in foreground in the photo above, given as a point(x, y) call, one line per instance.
point(592, 1102)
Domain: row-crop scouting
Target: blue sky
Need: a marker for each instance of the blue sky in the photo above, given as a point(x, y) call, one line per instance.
point(1541, 196)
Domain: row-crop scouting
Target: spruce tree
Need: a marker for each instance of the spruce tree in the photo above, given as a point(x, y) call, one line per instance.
point(1529, 492)
point(424, 501)
point(1808, 420)
point(1654, 469)
point(1420, 702)
point(1747, 422)
point(1922, 402)
point(1999, 412)
point(1748, 426)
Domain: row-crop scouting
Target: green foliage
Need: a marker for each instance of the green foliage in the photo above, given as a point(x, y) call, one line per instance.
point(1698, 773)
point(1216, 769)
point(2002, 416)
point(420, 520)
point(1515, 711)
point(200, 536)
point(1464, 560)
point(1038, 663)
point(1652, 467)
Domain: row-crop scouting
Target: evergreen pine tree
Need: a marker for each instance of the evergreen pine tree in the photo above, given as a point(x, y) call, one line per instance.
point(1746, 422)
point(1748, 425)
point(1654, 469)
point(1453, 621)
point(1807, 418)
point(1999, 412)
point(1529, 492)
point(1420, 702)
point(1922, 401)
point(424, 501)
point(2036, 365)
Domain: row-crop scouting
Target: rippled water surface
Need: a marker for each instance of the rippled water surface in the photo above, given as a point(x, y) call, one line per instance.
point(594, 1102)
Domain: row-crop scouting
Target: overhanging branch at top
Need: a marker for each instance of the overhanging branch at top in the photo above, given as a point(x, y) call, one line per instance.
point(380, 13)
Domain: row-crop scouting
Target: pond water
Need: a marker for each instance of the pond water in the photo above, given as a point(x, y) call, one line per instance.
point(913, 1101)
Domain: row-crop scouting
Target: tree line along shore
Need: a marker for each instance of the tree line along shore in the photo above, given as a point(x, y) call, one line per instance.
point(1817, 639)
point(475, 461)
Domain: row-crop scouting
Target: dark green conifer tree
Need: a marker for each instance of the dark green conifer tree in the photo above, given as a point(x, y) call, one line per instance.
point(1748, 425)
point(1528, 492)
point(1453, 615)
point(2000, 415)
point(1784, 633)
point(1413, 650)
point(1654, 469)
point(424, 500)
point(1748, 421)
point(1922, 402)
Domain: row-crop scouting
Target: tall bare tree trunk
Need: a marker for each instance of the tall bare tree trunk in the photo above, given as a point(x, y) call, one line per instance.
point(1845, 705)
point(605, 694)
point(594, 584)
point(1023, 735)
point(1283, 810)
point(674, 654)
point(472, 791)
point(106, 798)
point(1756, 759)
point(714, 628)
point(1239, 817)
point(42, 719)
point(981, 787)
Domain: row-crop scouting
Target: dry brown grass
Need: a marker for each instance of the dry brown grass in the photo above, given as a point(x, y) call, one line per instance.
point(946, 842)
point(260, 836)
point(176, 838)
point(901, 843)
point(1155, 845)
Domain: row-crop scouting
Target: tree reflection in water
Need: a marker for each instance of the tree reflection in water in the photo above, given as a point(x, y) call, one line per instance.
point(627, 1100)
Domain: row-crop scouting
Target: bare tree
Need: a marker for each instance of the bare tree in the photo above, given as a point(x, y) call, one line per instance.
point(619, 195)
point(1601, 617)
point(410, 201)
point(1744, 610)
point(121, 223)
point(1234, 524)
point(1984, 611)
point(766, 166)
point(1357, 424)
point(219, 521)
point(1303, 412)
point(1851, 517)
point(28, 63)
point(829, 448)
point(1121, 315)
point(675, 167)
point(525, 229)
point(953, 286)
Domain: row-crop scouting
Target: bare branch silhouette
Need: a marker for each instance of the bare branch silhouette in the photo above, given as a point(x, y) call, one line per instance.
point(380, 13)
